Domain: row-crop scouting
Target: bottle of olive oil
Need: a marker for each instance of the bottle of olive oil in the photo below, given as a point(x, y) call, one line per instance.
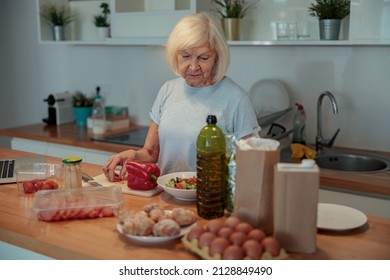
point(211, 170)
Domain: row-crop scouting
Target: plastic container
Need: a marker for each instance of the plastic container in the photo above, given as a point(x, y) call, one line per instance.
point(99, 125)
point(211, 171)
point(33, 177)
point(299, 125)
point(231, 142)
point(68, 204)
point(72, 172)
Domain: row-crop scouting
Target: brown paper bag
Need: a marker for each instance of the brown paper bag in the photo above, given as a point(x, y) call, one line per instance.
point(253, 201)
point(295, 205)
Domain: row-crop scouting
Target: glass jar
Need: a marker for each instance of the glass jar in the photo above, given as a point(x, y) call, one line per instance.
point(72, 172)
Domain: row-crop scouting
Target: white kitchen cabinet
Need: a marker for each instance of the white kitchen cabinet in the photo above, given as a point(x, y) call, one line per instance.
point(148, 18)
point(12, 252)
point(370, 205)
point(60, 151)
point(29, 146)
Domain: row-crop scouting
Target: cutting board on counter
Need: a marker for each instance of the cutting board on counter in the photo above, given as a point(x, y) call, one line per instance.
point(101, 179)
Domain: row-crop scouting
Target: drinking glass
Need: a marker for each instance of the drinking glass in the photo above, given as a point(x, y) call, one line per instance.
point(303, 30)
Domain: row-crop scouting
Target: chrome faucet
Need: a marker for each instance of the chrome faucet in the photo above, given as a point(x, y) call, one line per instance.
point(320, 141)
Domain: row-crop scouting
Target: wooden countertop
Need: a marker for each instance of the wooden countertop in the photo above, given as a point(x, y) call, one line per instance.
point(70, 134)
point(98, 238)
point(65, 134)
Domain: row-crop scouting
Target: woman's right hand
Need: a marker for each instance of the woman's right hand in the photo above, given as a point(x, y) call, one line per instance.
point(110, 168)
point(149, 153)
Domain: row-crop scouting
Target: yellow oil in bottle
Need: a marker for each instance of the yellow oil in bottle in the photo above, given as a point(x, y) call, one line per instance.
point(211, 171)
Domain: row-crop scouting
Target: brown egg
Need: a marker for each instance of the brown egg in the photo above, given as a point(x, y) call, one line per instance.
point(218, 245)
point(195, 232)
point(271, 245)
point(233, 252)
point(232, 221)
point(253, 249)
point(244, 227)
point(256, 234)
point(214, 226)
point(205, 239)
point(225, 231)
point(238, 238)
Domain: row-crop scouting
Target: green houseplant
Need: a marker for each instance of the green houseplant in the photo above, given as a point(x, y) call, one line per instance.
point(82, 108)
point(231, 12)
point(101, 20)
point(329, 13)
point(58, 16)
point(81, 100)
point(330, 9)
point(102, 23)
point(233, 8)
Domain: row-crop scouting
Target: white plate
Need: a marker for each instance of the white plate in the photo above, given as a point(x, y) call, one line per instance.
point(339, 217)
point(187, 195)
point(154, 239)
point(269, 96)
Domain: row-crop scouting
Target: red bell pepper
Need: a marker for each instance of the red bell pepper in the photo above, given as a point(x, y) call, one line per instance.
point(142, 176)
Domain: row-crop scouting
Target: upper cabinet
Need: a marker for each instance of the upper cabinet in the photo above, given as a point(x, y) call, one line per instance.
point(147, 18)
point(149, 22)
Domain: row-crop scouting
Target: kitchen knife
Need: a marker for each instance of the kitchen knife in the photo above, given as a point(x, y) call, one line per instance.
point(89, 179)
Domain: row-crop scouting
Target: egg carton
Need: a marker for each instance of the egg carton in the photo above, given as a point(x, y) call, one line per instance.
point(205, 254)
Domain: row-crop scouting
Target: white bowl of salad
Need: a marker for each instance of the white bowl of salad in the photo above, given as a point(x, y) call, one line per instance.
point(181, 185)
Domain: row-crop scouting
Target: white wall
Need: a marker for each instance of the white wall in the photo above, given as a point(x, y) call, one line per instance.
point(131, 75)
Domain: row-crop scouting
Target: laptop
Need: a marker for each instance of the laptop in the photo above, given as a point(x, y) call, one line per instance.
point(8, 166)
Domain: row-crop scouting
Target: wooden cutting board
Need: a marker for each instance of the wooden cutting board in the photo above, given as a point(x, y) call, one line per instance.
point(101, 179)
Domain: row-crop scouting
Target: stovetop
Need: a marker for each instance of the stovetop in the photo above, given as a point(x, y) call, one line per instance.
point(134, 137)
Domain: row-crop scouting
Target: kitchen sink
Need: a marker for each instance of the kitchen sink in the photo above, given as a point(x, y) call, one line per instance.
point(353, 162)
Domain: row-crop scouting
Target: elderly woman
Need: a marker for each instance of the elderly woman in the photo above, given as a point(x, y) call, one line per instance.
point(199, 55)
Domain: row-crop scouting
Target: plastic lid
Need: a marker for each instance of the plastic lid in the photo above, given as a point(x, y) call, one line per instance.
point(72, 159)
point(308, 163)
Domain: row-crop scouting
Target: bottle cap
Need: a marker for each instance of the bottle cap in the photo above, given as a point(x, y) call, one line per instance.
point(308, 163)
point(72, 159)
point(211, 119)
point(300, 108)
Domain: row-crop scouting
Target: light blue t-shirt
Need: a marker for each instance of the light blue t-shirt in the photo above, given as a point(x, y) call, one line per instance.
point(180, 111)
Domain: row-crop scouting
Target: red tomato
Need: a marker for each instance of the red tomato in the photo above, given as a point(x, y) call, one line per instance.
point(38, 184)
point(50, 185)
point(28, 187)
point(46, 186)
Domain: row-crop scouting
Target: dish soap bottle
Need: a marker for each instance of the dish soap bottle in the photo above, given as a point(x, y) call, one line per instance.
point(98, 114)
point(211, 170)
point(299, 125)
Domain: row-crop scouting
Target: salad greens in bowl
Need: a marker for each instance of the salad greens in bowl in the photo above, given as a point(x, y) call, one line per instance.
point(181, 185)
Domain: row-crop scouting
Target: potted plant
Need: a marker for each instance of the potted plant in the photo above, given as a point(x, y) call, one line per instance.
point(231, 12)
point(82, 107)
point(102, 23)
point(329, 13)
point(58, 16)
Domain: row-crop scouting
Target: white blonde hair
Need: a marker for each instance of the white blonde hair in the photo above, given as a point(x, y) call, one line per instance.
point(196, 30)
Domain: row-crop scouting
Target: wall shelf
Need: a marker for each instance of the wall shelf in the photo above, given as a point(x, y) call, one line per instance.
point(160, 41)
point(157, 19)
